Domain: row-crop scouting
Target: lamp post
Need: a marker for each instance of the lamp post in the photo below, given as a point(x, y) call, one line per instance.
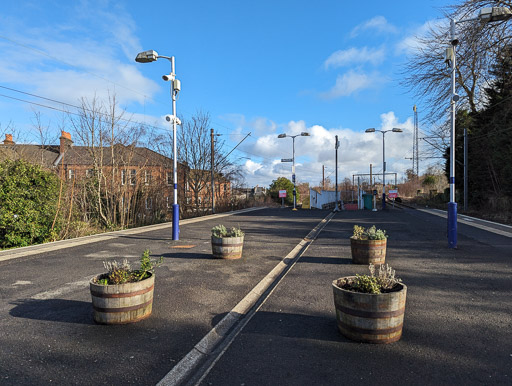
point(152, 56)
point(394, 130)
point(303, 134)
point(486, 15)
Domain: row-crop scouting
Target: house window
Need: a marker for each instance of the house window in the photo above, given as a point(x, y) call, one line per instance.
point(167, 202)
point(133, 174)
point(187, 186)
point(169, 178)
point(123, 177)
point(188, 200)
point(147, 177)
point(148, 203)
point(89, 173)
point(71, 174)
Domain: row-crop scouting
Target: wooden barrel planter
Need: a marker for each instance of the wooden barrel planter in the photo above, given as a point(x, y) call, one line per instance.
point(122, 303)
point(370, 318)
point(227, 247)
point(368, 251)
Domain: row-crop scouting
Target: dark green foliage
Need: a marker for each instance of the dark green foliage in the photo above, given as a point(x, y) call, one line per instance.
point(381, 281)
point(121, 272)
point(282, 183)
point(28, 203)
point(490, 143)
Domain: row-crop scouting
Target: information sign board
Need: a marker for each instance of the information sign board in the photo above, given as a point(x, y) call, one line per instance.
point(393, 193)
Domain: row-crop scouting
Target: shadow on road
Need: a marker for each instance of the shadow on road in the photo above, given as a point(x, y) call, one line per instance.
point(192, 255)
point(55, 310)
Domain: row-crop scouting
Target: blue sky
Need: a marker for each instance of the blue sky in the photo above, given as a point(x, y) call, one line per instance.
point(266, 67)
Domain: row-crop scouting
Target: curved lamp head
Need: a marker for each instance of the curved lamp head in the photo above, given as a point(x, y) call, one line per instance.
point(397, 130)
point(146, 56)
point(489, 15)
point(370, 130)
point(281, 136)
point(304, 134)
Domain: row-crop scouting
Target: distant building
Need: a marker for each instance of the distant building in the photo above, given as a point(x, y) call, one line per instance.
point(131, 172)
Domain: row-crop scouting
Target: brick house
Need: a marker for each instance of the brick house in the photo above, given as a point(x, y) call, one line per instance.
point(199, 191)
point(123, 171)
point(140, 179)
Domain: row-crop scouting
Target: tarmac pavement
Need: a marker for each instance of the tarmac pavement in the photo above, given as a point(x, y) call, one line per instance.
point(456, 329)
point(457, 320)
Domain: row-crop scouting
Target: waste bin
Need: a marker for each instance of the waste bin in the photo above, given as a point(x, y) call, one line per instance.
point(368, 201)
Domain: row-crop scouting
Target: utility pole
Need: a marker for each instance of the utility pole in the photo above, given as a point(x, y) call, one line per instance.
point(465, 170)
point(336, 209)
point(212, 160)
point(415, 145)
point(371, 166)
point(323, 177)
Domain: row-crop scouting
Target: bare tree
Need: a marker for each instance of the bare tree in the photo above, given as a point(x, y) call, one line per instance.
point(111, 142)
point(427, 75)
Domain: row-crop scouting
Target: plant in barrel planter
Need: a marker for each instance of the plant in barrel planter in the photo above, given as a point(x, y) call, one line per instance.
point(368, 246)
point(227, 243)
point(370, 308)
point(124, 295)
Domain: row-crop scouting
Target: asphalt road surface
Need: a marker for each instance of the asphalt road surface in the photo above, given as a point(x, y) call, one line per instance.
point(456, 329)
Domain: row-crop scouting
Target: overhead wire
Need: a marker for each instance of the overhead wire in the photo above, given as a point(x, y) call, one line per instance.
point(98, 76)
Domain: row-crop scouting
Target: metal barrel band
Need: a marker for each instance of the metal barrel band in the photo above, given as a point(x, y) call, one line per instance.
point(122, 295)
point(123, 309)
point(383, 331)
point(371, 315)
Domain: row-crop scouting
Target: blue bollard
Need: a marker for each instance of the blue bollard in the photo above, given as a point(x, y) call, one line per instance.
point(452, 224)
point(175, 222)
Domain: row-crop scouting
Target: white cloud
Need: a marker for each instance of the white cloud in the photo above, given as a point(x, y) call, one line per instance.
point(355, 55)
point(378, 24)
point(357, 151)
point(76, 59)
point(351, 82)
point(412, 42)
point(257, 125)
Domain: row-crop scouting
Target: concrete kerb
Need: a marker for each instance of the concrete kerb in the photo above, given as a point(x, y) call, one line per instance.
point(15, 253)
point(219, 334)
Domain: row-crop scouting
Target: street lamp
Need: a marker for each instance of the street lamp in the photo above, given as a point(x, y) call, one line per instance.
point(303, 134)
point(394, 130)
point(152, 56)
point(486, 15)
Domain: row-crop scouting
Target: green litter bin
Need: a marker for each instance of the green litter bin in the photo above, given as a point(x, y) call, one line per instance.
point(368, 201)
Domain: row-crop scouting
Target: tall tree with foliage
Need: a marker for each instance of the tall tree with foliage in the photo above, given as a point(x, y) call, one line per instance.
point(29, 198)
point(282, 183)
point(490, 153)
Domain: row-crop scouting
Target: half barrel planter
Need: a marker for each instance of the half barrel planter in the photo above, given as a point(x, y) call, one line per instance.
point(227, 247)
point(370, 318)
point(122, 303)
point(368, 251)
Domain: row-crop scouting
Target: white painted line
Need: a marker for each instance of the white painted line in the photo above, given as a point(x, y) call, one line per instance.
point(10, 254)
point(471, 222)
point(218, 334)
point(62, 290)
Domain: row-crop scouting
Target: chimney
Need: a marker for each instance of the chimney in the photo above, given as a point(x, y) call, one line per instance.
point(65, 141)
point(8, 139)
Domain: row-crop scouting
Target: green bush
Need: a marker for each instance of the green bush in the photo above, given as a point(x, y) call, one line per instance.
point(220, 231)
point(28, 202)
point(371, 233)
point(377, 282)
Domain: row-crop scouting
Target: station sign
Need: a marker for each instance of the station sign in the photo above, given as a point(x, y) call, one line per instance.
point(286, 159)
point(393, 193)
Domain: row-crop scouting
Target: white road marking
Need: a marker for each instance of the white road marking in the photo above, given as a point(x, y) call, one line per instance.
point(21, 282)
point(64, 289)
